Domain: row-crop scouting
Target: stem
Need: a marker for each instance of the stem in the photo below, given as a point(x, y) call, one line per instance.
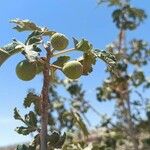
point(131, 126)
point(62, 52)
point(125, 98)
point(44, 103)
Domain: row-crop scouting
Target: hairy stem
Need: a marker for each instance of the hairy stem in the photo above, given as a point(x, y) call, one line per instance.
point(44, 103)
point(63, 52)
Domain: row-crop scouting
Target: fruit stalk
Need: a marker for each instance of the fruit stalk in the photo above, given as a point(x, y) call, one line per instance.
point(45, 102)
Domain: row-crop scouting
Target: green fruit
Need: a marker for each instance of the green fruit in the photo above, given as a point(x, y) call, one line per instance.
point(59, 41)
point(73, 69)
point(39, 67)
point(26, 70)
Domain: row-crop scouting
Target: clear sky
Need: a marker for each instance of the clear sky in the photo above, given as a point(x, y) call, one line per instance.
point(78, 18)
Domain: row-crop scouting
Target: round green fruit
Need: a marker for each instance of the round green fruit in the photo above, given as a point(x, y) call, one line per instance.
point(59, 41)
point(26, 70)
point(73, 69)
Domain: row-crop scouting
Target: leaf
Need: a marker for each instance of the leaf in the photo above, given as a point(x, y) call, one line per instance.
point(22, 147)
point(34, 38)
point(35, 142)
point(32, 98)
point(137, 78)
point(47, 32)
point(31, 52)
point(24, 25)
point(27, 25)
point(82, 45)
point(77, 118)
point(105, 56)
point(9, 50)
point(24, 130)
point(61, 141)
point(17, 116)
point(53, 138)
point(87, 61)
point(3, 56)
point(31, 119)
point(61, 61)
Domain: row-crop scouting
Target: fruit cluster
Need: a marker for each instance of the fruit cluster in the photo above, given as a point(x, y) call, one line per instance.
point(27, 70)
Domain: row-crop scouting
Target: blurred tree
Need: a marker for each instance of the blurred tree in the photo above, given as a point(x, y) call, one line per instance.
point(132, 57)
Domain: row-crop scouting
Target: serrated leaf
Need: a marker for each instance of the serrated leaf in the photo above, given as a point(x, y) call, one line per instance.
point(82, 45)
point(27, 25)
point(32, 98)
point(31, 119)
point(105, 56)
point(61, 61)
point(17, 116)
point(24, 130)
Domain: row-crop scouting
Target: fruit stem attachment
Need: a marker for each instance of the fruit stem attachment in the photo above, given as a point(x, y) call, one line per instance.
point(56, 67)
point(62, 52)
point(45, 100)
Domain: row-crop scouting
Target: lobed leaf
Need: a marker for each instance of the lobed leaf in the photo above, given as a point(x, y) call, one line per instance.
point(82, 45)
point(61, 61)
point(27, 25)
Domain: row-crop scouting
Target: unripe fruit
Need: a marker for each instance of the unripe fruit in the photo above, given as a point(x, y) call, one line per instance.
point(59, 41)
point(39, 67)
point(26, 70)
point(73, 69)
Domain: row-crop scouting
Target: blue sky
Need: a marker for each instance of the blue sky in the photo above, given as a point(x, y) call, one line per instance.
point(75, 18)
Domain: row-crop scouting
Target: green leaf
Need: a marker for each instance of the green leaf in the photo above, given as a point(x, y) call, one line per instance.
point(34, 38)
point(31, 119)
point(61, 141)
point(24, 130)
point(53, 138)
point(9, 50)
point(32, 98)
point(31, 52)
point(17, 116)
point(110, 2)
point(61, 61)
point(24, 25)
point(35, 142)
point(3, 56)
point(22, 147)
point(82, 45)
point(105, 56)
point(27, 25)
point(137, 78)
point(87, 61)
